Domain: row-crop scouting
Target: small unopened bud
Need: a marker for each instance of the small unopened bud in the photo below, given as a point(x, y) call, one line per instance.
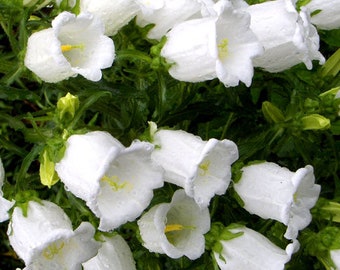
point(315, 122)
point(68, 104)
point(272, 113)
point(48, 175)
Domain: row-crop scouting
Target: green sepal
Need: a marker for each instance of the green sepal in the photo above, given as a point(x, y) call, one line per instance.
point(23, 198)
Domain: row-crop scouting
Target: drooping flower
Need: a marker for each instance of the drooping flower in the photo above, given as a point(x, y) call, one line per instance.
point(324, 14)
point(116, 182)
point(45, 239)
point(335, 256)
point(114, 253)
point(288, 37)
point(176, 228)
point(250, 250)
point(274, 192)
point(5, 205)
point(217, 46)
point(165, 14)
point(73, 45)
point(115, 14)
point(202, 168)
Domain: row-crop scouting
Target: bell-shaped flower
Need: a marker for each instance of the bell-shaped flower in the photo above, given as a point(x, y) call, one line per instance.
point(250, 250)
point(335, 256)
point(165, 14)
point(288, 37)
point(114, 253)
point(274, 192)
point(73, 45)
point(217, 46)
point(176, 228)
point(202, 168)
point(45, 239)
point(114, 14)
point(324, 14)
point(116, 182)
point(5, 205)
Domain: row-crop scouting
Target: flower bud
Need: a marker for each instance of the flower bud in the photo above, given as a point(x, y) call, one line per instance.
point(315, 122)
point(67, 105)
point(272, 113)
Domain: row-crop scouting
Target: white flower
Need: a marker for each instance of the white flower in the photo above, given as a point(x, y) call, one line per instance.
point(165, 14)
point(274, 192)
point(73, 45)
point(288, 37)
point(116, 182)
point(114, 13)
point(5, 205)
point(202, 168)
point(220, 45)
point(252, 251)
point(175, 229)
point(114, 253)
point(326, 13)
point(44, 238)
point(335, 256)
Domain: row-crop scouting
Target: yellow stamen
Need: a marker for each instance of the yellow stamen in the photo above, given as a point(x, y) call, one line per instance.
point(52, 250)
point(68, 47)
point(113, 181)
point(204, 166)
point(173, 227)
point(223, 48)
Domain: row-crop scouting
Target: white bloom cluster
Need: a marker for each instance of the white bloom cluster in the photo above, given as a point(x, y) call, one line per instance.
point(205, 39)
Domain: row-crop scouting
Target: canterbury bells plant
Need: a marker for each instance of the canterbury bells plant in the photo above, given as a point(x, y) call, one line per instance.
point(116, 182)
point(176, 228)
point(325, 14)
point(248, 249)
point(220, 45)
point(287, 35)
point(165, 14)
point(43, 237)
point(73, 45)
point(114, 14)
point(274, 192)
point(202, 168)
point(114, 253)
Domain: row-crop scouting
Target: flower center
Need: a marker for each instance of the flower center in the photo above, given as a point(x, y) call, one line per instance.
point(52, 250)
point(114, 182)
point(204, 167)
point(68, 47)
point(223, 49)
point(173, 227)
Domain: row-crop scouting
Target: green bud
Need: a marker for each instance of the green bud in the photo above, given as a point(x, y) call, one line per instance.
point(315, 122)
point(48, 175)
point(272, 113)
point(67, 105)
point(331, 92)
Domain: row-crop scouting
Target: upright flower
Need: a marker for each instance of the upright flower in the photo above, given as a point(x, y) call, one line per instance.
point(324, 14)
point(165, 14)
point(288, 37)
point(73, 45)
point(116, 182)
point(274, 192)
point(114, 253)
point(176, 228)
point(115, 14)
point(217, 46)
point(250, 250)
point(44, 238)
point(5, 205)
point(202, 168)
